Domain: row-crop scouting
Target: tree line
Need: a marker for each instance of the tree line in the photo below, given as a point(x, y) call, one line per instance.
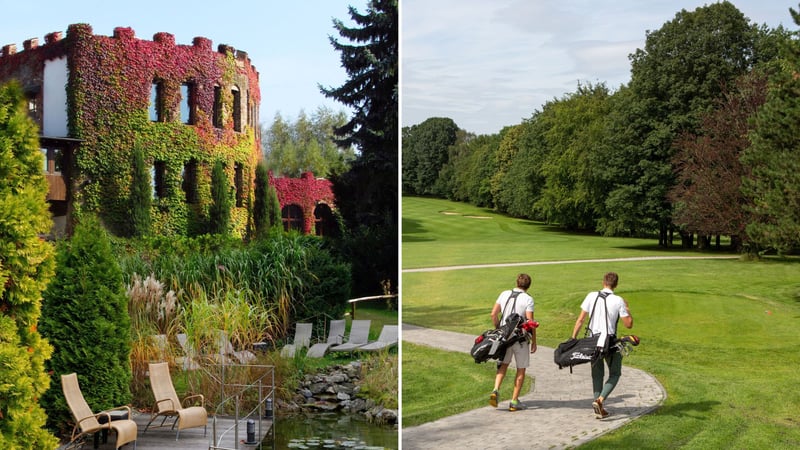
point(700, 144)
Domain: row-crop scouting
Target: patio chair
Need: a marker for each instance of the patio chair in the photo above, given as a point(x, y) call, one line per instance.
point(168, 405)
point(226, 348)
point(359, 335)
point(189, 359)
point(387, 339)
point(302, 339)
point(335, 336)
point(87, 422)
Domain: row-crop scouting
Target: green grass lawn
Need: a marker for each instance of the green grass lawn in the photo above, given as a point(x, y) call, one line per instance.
point(720, 335)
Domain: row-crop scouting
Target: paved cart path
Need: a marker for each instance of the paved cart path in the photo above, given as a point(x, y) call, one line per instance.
point(559, 407)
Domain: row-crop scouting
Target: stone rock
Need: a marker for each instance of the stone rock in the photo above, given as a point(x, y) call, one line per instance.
point(338, 388)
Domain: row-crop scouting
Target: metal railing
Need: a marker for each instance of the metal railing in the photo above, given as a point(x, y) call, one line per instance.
point(253, 399)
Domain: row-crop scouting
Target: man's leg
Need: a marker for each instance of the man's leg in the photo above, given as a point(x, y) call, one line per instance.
point(614, 362)
point(498, 380)
point(598, 372)
point(501, 373)
point(518, 380)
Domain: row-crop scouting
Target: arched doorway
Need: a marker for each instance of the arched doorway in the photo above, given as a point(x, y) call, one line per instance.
point(324, 225)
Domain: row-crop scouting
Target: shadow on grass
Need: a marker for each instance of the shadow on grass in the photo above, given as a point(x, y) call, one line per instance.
point(412, 227)
point(689, 408)
point(458, 318)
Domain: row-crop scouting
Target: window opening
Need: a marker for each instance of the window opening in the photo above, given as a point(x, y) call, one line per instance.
point(158, 179)
point(217, 113)
point(187, 103)
point(156, 101)
point(292, 218)
point(237, 110)
point(190, 181)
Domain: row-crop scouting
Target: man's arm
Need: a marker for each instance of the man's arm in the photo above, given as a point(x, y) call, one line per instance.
point(496, 315)
point(627, 321)
point(578, 324)
point(529, 316)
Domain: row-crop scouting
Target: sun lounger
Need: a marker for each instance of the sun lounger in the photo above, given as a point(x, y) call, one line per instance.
point(387, 339)
point(359, 335)
point(335, 336)
point(302, 339)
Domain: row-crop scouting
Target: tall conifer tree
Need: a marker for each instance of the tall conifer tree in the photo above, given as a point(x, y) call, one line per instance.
point(141, 196)
point(26, 266)
point(220, 211)
point(367, 195)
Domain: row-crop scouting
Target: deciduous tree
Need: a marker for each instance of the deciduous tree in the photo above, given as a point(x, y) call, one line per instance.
point(675, 79)
point(425, 152)
point(707, 196)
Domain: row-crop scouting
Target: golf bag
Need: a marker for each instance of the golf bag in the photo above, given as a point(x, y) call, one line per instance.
point(577, 351)
point(492, 344)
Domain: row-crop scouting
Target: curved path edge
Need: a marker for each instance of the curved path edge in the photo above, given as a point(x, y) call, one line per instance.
point(567, 261)
point(559, 412)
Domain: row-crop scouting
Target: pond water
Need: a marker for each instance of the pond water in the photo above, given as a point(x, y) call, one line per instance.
point(331, 431)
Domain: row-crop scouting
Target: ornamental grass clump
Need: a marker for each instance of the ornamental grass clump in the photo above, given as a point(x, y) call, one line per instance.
point(153, 315)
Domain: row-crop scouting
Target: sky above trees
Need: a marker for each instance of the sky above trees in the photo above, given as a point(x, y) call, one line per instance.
point(488, 65)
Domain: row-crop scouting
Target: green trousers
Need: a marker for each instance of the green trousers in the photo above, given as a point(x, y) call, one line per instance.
point(614, 362)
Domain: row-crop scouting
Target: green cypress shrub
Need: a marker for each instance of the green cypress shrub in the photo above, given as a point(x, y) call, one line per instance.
point(26, 266)
point(260, 211)
point(273, 208)
point(141, 196)
point(85, 316)
point(221, 197)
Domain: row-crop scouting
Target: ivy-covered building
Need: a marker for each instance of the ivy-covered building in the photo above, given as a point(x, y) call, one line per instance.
point(99, 98)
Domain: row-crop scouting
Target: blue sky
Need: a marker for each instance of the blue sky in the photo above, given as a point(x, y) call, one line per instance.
point(287, 41)
point(490, 64)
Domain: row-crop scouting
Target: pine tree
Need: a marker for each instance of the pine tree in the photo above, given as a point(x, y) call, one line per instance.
point(221, 197)
point(85, 316)
point(26, 266)
point(773, 185)
point(366, 195)
point(141, 196)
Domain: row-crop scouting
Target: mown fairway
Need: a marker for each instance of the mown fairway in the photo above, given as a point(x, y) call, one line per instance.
point(719, 334)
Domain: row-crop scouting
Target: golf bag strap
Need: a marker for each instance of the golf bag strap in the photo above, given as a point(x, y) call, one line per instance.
point(514, 295)
point(602, 294)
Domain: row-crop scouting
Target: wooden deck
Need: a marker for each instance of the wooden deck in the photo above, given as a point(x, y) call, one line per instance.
point(191, 438)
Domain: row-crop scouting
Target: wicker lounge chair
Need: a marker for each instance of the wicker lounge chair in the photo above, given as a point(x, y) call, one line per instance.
point(359, 335)
point(302, 339)
point(168, 405)
point(335, 336)
point(387, 339)
point(86, 422)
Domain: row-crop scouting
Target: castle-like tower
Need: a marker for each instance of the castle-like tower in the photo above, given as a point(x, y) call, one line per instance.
point(97, 99)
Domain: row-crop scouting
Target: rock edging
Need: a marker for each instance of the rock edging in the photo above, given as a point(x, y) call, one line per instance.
point(337, 389)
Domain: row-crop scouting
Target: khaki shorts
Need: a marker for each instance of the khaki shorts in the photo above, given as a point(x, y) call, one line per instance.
point(522, 355)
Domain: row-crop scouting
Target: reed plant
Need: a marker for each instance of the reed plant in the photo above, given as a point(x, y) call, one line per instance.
point(153, 312)
point(250, 292)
